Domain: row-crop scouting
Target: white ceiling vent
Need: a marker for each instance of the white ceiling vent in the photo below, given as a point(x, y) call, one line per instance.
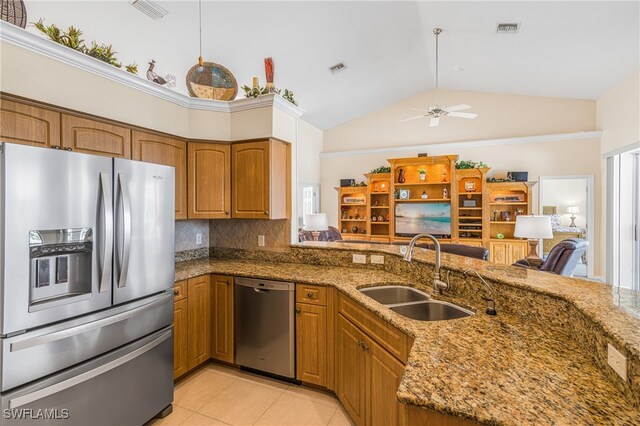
point(337, 68)
point(149, 8)
point(507, 28)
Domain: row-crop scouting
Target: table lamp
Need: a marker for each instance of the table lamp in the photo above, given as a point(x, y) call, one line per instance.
point(573, 210)
point(533, 228)
point(315, 223)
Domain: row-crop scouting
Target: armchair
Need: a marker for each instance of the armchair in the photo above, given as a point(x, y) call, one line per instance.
point(562, 258)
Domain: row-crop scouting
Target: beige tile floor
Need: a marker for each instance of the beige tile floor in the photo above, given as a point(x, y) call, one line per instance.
point(221, 395)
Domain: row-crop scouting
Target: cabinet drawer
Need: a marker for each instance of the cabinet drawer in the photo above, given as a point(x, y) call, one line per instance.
point(180, 290)
point(314, 294)
point(389, 337)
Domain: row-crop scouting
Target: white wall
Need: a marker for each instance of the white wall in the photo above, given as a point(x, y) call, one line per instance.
point(618, 114)
point(563, 193)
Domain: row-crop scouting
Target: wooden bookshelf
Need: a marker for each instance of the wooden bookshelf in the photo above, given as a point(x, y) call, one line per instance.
point(378, 198)
point(472, 225)
point(353, 212)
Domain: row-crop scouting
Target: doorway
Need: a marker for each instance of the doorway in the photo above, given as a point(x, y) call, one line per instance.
point(623, 219)
point(570, 202)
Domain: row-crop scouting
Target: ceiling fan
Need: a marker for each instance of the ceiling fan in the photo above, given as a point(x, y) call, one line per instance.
point(437, 111)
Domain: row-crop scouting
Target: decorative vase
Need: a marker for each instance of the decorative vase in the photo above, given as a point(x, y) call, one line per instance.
point(354, 229)
point(445, 193)
point(387, 217)
point(401, 177)
point(380, 218)
point(374, 219)
point(13, 12)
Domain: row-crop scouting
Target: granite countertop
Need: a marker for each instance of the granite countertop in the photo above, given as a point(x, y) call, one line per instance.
point(495, 370)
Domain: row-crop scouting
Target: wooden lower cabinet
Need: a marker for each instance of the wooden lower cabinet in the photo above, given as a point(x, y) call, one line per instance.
point(222, 318)
point(180, 333)
point(507, 252)
point(311, 343)
point(199, 321)
point(368, 378)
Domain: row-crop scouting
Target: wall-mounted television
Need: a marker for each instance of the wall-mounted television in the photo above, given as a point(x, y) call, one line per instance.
point(423, 218)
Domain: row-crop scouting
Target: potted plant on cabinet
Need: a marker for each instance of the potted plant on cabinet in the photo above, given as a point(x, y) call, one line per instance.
point(423, 173)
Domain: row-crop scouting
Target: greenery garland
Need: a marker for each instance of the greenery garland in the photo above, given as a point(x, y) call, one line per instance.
point(466, 164)
point(254, 92)
point(71, 38)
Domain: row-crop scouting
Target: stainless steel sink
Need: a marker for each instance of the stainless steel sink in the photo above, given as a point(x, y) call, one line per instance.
point(432, 310)
point(394, 294)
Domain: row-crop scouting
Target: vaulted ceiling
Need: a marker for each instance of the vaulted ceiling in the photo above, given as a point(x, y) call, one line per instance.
point(563, 49)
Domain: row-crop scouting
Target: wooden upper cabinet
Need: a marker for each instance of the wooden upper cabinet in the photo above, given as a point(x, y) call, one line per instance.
point(261, 181)
point(209, 194)
point(95, 137)
point(168, 151)
point(29, 125)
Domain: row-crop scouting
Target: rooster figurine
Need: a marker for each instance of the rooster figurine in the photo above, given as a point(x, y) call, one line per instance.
point(168, 80)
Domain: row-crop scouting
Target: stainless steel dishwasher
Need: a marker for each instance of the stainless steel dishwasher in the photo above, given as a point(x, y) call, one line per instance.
point(265, 326)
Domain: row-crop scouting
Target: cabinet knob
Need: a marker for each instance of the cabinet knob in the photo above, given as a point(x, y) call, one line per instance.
point(298, 310)
point(176, 292)
point(68, 149)
point(228, 282)
point(226, 212)
point(309, 295)
point(365, 347)
point(266, 212)
point(55, 147)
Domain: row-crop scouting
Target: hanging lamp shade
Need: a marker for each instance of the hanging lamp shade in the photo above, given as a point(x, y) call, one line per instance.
point(13, 12)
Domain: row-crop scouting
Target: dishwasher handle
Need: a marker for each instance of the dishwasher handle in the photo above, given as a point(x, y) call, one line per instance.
point(264, 285)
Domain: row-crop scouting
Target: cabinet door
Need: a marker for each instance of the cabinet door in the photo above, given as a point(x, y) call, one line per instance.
point(29, 125)
point(498, 253)
point(199, 320)
point(311, 343)
point(180, 337)
point(351, 364)
point(222, 318)
point(251, 180)
point(518, 251)
point(209, 181)
point(157, 149)
point(95, 137)
point(384, 378)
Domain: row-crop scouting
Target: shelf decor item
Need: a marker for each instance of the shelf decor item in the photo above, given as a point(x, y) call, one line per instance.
point(404, 194)
point(268, 71)
point(424, 195)
point(533, 228)
point(470, 186)
point(423, 174)
point(168, 80)
point(401, 178)
point(506, 216)
point(13, 12)
point(445, 193)
point(354, 229)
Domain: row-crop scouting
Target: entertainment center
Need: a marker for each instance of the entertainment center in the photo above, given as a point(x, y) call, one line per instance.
point(429, 195)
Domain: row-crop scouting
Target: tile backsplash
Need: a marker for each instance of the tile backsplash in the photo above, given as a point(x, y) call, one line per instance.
point(186, 231)
point(243, 234)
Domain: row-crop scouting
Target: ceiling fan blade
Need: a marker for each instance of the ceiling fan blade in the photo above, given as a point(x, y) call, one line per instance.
point(411, 118)
point(457, 108)
point(434, 121)
point(421, 110)
point(462, 115)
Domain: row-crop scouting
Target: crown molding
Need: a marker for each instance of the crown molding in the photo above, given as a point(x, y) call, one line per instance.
point(469, 144)
point(50, 49)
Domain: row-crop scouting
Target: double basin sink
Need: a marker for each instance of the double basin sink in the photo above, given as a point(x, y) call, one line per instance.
point(414, 304)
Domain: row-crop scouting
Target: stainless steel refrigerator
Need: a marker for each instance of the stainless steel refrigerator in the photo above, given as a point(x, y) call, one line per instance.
point(87, 270)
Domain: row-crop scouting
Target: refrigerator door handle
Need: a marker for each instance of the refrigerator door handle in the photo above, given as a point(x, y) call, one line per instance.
point(101, 323)
point(126, 225)
point(105, 280)
point(66, 384)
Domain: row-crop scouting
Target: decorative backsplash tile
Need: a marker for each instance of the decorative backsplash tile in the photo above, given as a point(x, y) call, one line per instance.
point(186, 231)
point(243, 234)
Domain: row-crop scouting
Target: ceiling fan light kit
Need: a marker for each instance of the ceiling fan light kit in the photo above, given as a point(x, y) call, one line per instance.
point(437, 111)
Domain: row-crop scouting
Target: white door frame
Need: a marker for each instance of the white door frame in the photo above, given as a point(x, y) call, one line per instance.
point(591, 219)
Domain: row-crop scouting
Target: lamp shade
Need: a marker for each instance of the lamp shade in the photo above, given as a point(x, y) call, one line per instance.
point(533, 227)
point(315, 222)
point(573, 210)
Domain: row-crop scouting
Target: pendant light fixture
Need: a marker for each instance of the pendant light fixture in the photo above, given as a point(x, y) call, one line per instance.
point(436, 111)
point(200, 61)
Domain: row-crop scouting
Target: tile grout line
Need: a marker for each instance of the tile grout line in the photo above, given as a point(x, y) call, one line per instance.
point(269, 407)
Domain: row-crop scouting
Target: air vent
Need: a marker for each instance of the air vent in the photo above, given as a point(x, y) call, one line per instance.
point(149, 8)
point(507, 28)
point(337, 68)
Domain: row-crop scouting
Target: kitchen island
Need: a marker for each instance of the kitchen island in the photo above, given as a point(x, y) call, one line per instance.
point(537, 362)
